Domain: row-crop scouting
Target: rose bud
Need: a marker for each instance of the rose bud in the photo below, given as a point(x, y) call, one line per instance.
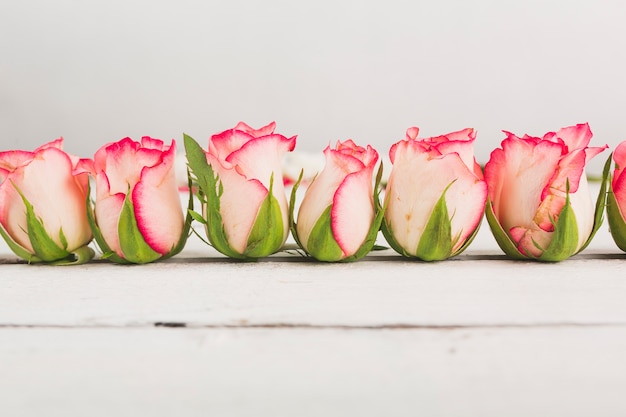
point(539, 203)
point(435, 196)
point(42, 205)
point(138, 216)
point(340, 214)
point(242, 192)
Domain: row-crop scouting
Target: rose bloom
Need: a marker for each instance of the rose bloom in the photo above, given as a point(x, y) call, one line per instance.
point(532, 181)
point(338, 209)
point(435, 195)
point(55, 185)
point(253, 211)
point(137, 210)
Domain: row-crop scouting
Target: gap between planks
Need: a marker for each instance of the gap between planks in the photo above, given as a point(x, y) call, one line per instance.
point(399, 326)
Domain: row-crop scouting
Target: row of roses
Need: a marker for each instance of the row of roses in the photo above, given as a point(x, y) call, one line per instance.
point(533, 190)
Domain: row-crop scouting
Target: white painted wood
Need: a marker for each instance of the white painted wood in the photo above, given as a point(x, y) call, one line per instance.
point(561, 371)
point(478, 288)
point(476, 335)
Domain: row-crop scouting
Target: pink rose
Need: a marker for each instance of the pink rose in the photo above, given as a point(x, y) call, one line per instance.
point(240, 177)
point(138, 216)
point(42, 204)
point(539, 201)
point(435, 195)
point(337, 217)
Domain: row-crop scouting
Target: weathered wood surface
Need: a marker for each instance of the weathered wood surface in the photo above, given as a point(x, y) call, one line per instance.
point(476, 335)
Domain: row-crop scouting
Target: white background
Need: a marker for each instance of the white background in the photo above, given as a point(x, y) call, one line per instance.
point(97, 71)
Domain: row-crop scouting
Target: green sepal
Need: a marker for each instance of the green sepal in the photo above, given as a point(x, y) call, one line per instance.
point(132, 243)
point(502, 238)
point(107, 252)
point(186, 227)
point(564, 241)
point(17, 248)
point(322, 244)
point(379, 214)
point(468, 241)
point(79, 256)
point(210, 191)
point(44, 247)
point(267, 234)
point(601, 202)
point(436, 241)
point(292, 205)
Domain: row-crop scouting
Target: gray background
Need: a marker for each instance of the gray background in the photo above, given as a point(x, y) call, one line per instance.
point(96, 71)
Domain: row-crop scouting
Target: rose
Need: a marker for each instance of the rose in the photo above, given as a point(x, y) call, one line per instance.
point(338, 218)
point(245, 210)
point(539, 202)
point(42, 204)
point(616, 199)
point(435, 196)
point(138, 216)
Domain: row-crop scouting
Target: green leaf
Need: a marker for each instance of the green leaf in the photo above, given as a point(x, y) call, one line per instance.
point(17, 248)
point(107, 252)
point(132, 243)
point(267, 234)
point(379, 214)
point(322, 244)
point(292, 205)
point(565, 238)
point(502, 238)
point(436, 241)
point(197, 217)
point(601, 202)
point(210, 186)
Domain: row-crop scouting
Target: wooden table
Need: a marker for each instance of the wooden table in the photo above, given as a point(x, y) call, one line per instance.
point(200, 335)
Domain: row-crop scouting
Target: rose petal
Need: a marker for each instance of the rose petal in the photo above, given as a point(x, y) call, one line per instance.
point(618, 184)
point(462, 143)
point(517, 175)
point(225, 143)
point(353, 211)
point(123, 162)
point(575, 137)
point(412, 132)
point(152, 143)
point(157, 205)
point(108, 209)
point(13, 211)
point(10, 160)
point(263, 131)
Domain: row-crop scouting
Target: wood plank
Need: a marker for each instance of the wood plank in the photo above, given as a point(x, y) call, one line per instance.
point(556, 371)
point(477, 288)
